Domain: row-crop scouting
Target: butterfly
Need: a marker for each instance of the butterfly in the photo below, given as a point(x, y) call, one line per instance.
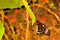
point(42, 29)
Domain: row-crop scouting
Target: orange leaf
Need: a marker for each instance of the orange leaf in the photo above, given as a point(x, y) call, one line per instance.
point(15, 11)
point(43, 18)
point(44, 0)
point(11, 19)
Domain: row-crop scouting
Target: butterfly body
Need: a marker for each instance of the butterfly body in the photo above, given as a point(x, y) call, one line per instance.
point(42, 29)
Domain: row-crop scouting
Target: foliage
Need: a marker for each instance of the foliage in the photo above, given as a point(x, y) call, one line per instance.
point(15, 4)
point(10, 4)
point(52, 5)
point(1, 29)
point(29, 11)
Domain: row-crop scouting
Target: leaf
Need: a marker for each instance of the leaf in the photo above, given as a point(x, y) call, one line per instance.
point(44, 0)
point(16, 4)
point(52, 6)
point(10, 4)
point(43, 18)
point(2, 29)
point(29, 11)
